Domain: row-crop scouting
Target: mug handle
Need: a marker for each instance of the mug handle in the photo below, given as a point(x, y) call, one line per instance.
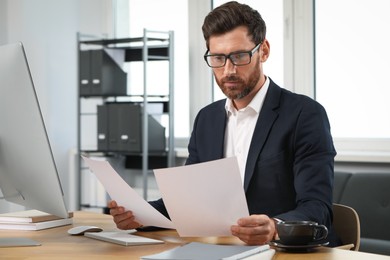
point(321, 232)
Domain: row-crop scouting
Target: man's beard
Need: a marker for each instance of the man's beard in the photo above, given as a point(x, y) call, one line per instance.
point(244, 87)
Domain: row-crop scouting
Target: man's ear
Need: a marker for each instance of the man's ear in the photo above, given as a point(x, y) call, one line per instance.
point(264, 51)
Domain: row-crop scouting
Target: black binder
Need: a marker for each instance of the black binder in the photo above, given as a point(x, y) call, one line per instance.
point(125, 133)
point(101, 75)
point(85, 78)
point(129, 127)
point(102, 128)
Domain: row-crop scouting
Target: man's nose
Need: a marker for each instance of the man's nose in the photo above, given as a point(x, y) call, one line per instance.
point(229, 68)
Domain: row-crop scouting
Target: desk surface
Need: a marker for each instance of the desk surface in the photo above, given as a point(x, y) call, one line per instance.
point(57, 244)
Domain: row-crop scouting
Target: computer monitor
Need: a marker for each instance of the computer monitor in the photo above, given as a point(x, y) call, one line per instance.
point(28, 173)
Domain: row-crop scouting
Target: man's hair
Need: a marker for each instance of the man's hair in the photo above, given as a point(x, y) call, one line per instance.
point(230, 15)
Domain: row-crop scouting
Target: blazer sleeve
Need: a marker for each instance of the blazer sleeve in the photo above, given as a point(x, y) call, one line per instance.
point(313, 164)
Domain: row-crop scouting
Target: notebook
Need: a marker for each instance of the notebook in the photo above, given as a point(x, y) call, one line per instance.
point(202, 251)
point(37, 225)
point(28, 216)
point(122, 238)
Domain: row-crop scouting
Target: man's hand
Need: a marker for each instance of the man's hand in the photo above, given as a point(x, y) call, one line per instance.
point(123, 219)
point(255, 229)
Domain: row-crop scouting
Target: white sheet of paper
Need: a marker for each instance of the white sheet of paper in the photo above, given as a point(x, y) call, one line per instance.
point(203, 199)
point(125, 196)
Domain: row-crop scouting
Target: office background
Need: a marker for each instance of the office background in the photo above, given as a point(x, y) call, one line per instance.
point(48, 30)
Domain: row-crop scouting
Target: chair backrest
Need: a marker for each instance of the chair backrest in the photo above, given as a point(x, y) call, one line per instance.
point(347, 226)
point(340, 181)
point(369, 194)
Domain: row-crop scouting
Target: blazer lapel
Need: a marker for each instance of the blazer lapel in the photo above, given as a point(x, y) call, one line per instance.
point(267, 117)
point(219, 126)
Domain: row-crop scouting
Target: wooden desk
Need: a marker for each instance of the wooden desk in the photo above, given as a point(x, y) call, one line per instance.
point(57, 244)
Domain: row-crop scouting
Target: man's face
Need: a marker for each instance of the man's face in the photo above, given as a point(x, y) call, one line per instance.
point(237, 82)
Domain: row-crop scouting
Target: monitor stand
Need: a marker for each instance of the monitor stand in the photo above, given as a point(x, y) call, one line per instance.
point(17, 241)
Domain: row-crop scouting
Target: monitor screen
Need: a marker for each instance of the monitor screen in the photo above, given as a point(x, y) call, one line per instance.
point(28, 174)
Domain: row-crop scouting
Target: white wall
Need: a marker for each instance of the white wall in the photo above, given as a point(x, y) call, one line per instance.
point(3, 21)
point(48, 30)
point(201, 89)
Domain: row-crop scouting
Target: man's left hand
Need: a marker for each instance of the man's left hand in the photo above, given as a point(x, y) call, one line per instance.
point(255, 229)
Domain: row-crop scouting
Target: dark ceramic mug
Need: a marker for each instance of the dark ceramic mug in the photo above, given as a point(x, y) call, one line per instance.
point(300, 232)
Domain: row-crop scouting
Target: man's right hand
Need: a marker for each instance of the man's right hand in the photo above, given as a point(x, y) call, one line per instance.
point(123, 219)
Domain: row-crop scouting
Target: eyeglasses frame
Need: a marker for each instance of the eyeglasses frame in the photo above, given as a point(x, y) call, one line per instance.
point(228, 56)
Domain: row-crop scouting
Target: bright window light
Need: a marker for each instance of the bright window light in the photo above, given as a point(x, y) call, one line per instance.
point(352, 65)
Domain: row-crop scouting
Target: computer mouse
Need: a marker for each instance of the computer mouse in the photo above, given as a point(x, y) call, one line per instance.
point(80, 230)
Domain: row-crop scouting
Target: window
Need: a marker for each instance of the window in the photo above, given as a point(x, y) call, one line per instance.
point(352, 63)
point(352, 66)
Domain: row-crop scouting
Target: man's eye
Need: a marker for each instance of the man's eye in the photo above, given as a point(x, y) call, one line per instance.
point(218, 58)
point(238, 56)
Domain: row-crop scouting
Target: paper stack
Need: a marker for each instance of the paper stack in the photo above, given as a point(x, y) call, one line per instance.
point(32, 220)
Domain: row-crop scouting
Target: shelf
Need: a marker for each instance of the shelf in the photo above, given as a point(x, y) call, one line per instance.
point(135, 53)
point(145, 154)
point(156, 97)
point(111, 153)
point(108, 42)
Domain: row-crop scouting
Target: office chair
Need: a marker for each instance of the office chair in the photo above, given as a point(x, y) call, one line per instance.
point(347, 226)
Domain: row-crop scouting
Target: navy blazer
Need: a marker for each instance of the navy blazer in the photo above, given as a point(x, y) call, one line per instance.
point(289, 169)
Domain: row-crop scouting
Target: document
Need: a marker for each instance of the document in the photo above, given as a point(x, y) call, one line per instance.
point(203, 199)
point(125, 196)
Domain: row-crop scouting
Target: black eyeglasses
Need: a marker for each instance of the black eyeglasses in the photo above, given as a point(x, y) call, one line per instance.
point(237, 58)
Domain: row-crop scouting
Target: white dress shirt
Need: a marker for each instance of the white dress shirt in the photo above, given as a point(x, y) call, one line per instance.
point(240, 127)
